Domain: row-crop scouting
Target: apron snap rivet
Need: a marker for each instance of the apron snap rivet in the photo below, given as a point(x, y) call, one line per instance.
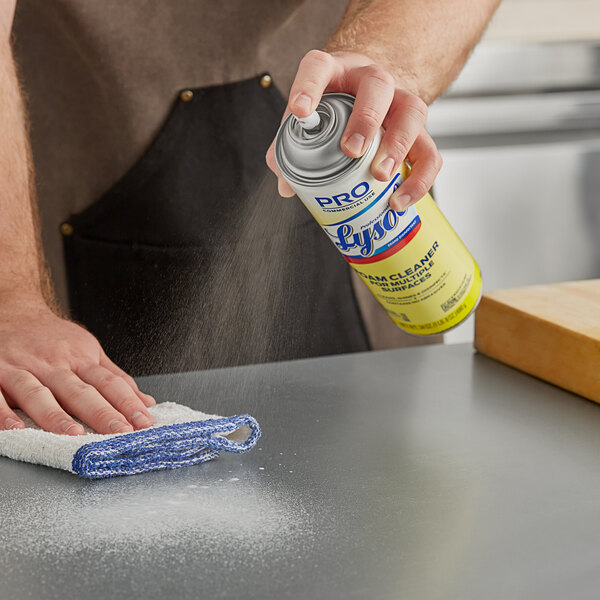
point(266, 80)
point(66, 229)
point(186, 95)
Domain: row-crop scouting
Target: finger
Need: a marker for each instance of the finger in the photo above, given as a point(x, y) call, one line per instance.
point(426, 163)
point(374, 89)
point(85, 402)
point(35, 399)
point(283, 186)
point(147, 399)
point(314, 74)
point(404, 123)
point(119, 393)
point(316, 71)
point(8, 418)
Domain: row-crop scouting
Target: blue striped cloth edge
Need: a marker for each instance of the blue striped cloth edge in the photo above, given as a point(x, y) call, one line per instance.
point(164, 447)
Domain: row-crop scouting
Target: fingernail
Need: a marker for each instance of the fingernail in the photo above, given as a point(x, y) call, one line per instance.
point(401, 202)
point(355, 143)
point(70, 428)
point(303, 102)
point(140, 420)
point(386, 167)
point(280, 188)
point(11, 423)
point(119, 427)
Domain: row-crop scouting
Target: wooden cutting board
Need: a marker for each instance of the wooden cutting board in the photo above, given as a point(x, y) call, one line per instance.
point(550, 331)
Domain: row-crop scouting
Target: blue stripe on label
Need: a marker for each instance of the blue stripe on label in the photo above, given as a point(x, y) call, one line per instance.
point(366, 208)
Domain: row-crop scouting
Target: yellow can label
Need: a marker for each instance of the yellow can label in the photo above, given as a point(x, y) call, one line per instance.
point(412, 261)
point(431, 283)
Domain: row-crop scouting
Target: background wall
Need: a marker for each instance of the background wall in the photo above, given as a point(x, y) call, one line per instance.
point(545, 20)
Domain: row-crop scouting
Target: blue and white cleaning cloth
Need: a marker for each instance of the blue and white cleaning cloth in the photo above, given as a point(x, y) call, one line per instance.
point(179, 437)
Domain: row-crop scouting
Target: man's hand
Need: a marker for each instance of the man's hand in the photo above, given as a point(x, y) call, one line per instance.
point(381, 100)
point(52, 368)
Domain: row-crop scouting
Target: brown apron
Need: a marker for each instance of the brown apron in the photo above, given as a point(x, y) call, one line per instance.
point(193, 261)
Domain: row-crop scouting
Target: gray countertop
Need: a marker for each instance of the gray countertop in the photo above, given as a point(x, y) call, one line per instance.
point(422, 473)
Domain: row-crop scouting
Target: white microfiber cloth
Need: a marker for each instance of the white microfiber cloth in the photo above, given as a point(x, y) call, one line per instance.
point(179, 437)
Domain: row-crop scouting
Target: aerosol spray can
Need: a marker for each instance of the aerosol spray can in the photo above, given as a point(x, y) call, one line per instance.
point(412, 261)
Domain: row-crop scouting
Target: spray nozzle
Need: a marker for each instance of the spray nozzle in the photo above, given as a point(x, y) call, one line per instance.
point(312, 121)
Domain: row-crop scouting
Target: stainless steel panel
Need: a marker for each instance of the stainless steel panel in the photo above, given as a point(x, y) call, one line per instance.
point(450, 120)
point(529, 213)
point(428, 473)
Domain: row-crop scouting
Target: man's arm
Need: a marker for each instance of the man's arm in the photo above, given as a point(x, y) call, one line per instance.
point(49, 367)
point(396, 57)
point(19, 270)
point(422, 44)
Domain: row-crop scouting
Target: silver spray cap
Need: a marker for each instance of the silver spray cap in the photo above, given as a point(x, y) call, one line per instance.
point(307, 151)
